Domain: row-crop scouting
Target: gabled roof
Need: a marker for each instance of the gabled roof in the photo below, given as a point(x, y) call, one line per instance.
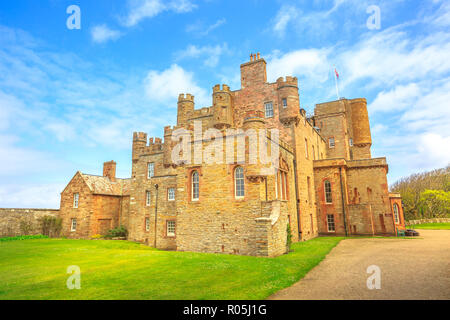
point(103, 185)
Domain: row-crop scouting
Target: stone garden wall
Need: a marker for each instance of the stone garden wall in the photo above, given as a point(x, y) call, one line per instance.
point(16, 222)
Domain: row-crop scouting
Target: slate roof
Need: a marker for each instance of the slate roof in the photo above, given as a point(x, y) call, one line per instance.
point(102, 185)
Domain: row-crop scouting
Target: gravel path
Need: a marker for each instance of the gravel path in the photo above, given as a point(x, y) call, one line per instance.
point(410, 269)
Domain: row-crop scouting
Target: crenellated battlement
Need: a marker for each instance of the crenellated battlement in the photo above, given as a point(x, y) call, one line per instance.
point(219, 88)
point(140, 136)
point(186, 97)
point(289, 81)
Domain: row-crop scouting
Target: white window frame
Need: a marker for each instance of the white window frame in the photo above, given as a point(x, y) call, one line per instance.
point(284, 103)
point(195, 197)
point(150, 170)
point(331, 222)
point(326, 192)
point(171, 194)
point(147, 224)
point(171, 228)
point(268, 112)
point(396, 213)
point(148, 198)
point(239, 183)
point(73, 225)
point(331, 145)
point(76, 200)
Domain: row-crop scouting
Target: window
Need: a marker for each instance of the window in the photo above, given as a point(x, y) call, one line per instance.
point(76, 198)
point(328, 196)
point(284, 101)
point(195, 186)
point(147, 224)
point(350, 142)
point(239, 182)
point(283, 185)
point(151, 170)
point(148, 198)
point(330, 223)
point(396, 214)
point(171, 228)
point(269, 109)
point(314, 153)
point(171, 194)
point(306, 148)
point(73, 225)
point(331, 143)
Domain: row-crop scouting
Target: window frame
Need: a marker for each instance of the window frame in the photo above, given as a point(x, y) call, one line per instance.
point(350, 142)
point(193, 186)
point(169, 193)
point(396, 213)
point(174, 233)
point(331, 222)
point(147, 224)
point(76, 200)
point(284, 103)
point(152, 165)
point(236, 179)
point(72, 229)
point(326, 192)
point(329, 142)
point(271, 109)
point(148, 198)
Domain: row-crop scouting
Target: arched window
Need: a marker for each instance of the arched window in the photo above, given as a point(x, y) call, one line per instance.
point(239, 182)
point(396, 214)
point(195, 186)
point(328, 196)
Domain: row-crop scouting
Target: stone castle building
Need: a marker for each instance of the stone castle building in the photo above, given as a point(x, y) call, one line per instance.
point(323, 182)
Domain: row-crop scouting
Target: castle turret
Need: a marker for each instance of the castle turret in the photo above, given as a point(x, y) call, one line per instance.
point(185, 107)
point(168, 146)
point(253, 73)
point(139, 144)
point(362, 139)
point(288, 99)
point(222, 107)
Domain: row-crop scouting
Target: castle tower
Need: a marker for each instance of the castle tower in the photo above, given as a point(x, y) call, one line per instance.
point(168, 146)
point(185, 107)
point(222, 107)
point(253, 73)
point(362, 139)
point(139, 144)
point(288, 99)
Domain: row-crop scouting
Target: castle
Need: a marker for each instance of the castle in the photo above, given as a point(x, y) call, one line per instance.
point(186, 193)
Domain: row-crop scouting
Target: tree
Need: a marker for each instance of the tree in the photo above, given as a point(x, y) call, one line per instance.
point(435, 203)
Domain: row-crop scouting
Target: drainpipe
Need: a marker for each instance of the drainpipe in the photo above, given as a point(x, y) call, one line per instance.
point(156, 213)
point(296, 186)
point(342, 199)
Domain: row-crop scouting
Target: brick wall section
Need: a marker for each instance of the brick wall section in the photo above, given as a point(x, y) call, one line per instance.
point(10, 220)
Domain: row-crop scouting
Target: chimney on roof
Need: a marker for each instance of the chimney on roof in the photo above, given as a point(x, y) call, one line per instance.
point(109, 170)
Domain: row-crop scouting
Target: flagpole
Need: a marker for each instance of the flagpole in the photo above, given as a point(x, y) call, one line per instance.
point(336, 82)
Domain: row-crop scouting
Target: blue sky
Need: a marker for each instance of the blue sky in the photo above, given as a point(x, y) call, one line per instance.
point(71, 99)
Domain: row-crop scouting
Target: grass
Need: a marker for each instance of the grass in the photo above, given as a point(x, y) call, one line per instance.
point(433, 226)
point(36, 269)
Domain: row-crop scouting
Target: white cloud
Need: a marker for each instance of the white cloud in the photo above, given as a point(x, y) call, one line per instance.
point(165, 86)
point(44, 196)
point(142, 9)
point(200, 30)
point(285, 15)
point(433, 151)
point(399, 98)
point(211, 54)
point(102, 34)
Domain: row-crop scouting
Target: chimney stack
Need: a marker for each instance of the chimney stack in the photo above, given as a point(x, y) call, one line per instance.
point(109, 170)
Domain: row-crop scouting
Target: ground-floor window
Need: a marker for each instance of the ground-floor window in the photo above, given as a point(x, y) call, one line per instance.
point(171, 228)
point(330, 223)
point(73, 225)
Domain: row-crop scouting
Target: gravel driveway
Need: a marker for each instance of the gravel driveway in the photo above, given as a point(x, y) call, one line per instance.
point(410, 269)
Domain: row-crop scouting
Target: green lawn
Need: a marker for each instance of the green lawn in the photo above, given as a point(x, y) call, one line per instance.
point(36, 269)
point(433, 226)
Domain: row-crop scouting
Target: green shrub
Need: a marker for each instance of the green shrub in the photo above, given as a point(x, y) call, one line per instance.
point(39, 236)
point(51, 226)
point(117, 232)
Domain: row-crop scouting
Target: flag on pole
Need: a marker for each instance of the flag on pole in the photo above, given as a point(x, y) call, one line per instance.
point(337, 74)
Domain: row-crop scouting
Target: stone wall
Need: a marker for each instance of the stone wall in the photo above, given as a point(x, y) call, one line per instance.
point(11, 220)
point(421, 221)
